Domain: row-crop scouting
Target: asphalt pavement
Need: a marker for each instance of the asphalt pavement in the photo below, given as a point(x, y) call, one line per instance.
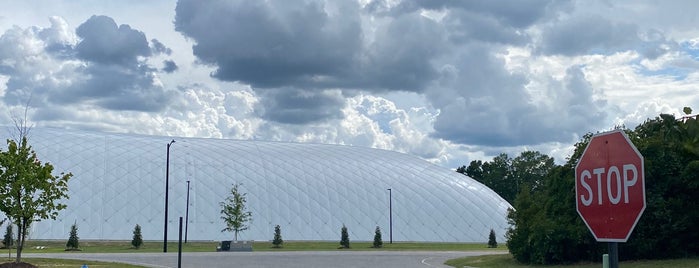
point(286, 259)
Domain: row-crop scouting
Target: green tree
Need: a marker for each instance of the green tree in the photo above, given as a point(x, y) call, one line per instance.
point(492, 241)
point(277, 241)
point(234, 212)
point(378, 242)
point(28, 190)
point(137, 240)
point(73, 243)
point(8, 240)
point(344, 237)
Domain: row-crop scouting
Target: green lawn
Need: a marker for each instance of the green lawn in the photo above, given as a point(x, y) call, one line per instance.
point(71, 263)
point(506, 261)
point(209, 246)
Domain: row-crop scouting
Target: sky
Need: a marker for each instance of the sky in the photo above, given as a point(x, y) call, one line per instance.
point(449, 81)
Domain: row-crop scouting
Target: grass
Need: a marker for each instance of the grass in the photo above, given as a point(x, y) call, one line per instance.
point(209, 246)
point(41, 262)
point(506, 261)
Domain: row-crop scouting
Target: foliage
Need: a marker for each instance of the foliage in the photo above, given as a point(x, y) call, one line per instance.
point(546, 229)
point(377, 238)
point(344, 238)
point(492, 241)
point(8, 240)
point(28, 190)
point(137, 240)
point(507, 176)
point(234, 212)
point(277, 241)
point(73, 242)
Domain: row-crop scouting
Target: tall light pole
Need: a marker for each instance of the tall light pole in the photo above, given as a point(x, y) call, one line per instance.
point(186, 215)
point(390, 216)
point(167, 186)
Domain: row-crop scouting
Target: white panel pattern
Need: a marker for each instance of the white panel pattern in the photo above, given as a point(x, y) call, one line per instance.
point(310, 190)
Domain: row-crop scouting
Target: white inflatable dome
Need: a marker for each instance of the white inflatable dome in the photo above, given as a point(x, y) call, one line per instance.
point(310, 190)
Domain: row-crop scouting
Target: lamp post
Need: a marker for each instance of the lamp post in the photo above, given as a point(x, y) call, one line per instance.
point(186, 215)
point(390, 217)
point(167, 185)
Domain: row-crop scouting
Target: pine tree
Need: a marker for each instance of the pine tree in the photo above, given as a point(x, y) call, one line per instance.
point(492, 243)
point(73, 243)
point(377, 238)
point(277, 242)
point(137, 240)
point(8, 241)
point(344, 239)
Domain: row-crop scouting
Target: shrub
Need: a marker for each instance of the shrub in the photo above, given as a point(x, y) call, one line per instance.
point(377, 238)
point(73, 243)
point(137, 240)
point(492, 243)
point(277, 242)
point(344, 238)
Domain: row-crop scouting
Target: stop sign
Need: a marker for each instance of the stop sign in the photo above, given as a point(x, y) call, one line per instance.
point(610, 189)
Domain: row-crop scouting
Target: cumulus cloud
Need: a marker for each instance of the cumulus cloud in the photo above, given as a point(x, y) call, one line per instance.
point(100, 63)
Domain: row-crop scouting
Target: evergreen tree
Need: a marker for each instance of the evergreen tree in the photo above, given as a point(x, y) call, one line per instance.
point(492, 242)
point(8, 241)
point(277, 242)
point(137, 239)
point(344, 239)
point(73, 243)
point(377, 238)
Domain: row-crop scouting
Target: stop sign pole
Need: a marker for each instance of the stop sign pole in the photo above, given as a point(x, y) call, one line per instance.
point(610, 189)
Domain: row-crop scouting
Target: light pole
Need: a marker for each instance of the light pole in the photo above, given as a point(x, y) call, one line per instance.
point(186, 215)
point(167, 185)
point(390, 217)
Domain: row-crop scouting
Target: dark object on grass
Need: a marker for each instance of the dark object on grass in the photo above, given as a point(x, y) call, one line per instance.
point(17, 265)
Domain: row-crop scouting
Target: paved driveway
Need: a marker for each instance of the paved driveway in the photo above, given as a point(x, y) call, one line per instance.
point(287, 259)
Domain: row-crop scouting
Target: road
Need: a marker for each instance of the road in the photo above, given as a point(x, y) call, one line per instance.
point(287, 259)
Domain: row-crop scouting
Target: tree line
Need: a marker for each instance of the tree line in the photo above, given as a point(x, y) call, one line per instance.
point(545, 227)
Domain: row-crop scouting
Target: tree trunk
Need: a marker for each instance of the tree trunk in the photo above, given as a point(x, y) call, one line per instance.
point(21, 236)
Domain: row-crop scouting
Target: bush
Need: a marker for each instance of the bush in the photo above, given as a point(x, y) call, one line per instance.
point(73, 243)
point(137, 240)
point(344, 238)
point(377, 238)
point(277, 242)
point(8, 241)
point(492, 242)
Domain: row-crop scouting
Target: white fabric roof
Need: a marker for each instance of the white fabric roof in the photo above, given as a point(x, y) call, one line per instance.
point(310, 190)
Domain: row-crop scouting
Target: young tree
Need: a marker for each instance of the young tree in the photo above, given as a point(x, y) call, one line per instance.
point(377, 238)
point(8, 241)
point(277, 242)
point(137, 239)
point(492, 242)
point(344, 238)
point(28, 190)
point(233, 212)
point(73, 243)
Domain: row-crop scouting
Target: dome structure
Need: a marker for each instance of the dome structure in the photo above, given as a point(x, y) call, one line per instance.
point(310, 190)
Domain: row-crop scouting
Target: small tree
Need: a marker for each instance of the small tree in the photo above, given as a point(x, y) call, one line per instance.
point(29, 191)
point(377, 238)
point(233, 212)
point(277, 242)
point(344, 238)
point(137, 239)
point(8, 241)
point(492, 243)
point(73, 243)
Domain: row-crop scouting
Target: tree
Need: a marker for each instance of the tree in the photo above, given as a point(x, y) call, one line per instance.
point(137, 240)
point(73, 243)
point(233, 212)
point(277, 241)
point(492, 242)
point(8, 240)
point(344, 238)
point(28, 190)
point(377, 238)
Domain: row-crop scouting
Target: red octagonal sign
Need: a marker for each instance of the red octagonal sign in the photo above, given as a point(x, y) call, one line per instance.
point(610, 189)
